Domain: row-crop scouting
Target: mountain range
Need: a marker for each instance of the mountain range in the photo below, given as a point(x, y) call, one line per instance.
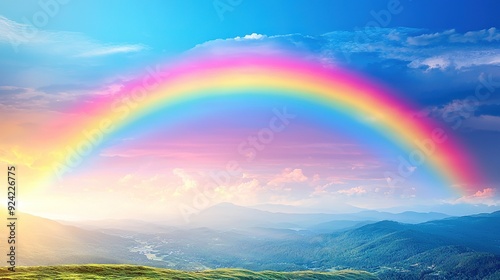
point(407, 245)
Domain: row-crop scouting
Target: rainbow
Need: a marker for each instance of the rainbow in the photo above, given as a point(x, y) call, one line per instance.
point(280, 75)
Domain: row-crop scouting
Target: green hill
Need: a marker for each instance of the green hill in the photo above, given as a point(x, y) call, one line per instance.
point(143, 272)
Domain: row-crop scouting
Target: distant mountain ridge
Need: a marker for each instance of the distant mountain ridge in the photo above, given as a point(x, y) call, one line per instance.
point(46, 242)
point(228, 216)
point(451, 248)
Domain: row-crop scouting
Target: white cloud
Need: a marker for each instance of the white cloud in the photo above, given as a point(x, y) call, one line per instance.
point(109, 50)
point(14, 33)
point(483, 122)
point(426, 39)
point(125, 179)
point(437, 62)
point(485, 196)
point(458, 60)
point(464, 113)
point(252, 39)
point(488, 35)
point(352, 191)
point(450, 112)
point(243, 192)
point(288, 176)
point(443, 51)
point(20, 35)
point(452, 36)
point(322, 189)
point(188, 183)
point(253, 36)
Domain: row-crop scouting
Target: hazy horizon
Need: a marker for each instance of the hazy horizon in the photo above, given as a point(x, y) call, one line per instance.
point(452, 210)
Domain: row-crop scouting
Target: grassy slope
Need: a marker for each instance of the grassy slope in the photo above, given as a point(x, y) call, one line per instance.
point(142, 272)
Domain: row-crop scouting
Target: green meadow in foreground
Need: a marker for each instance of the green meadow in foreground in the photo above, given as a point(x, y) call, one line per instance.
point(143, 272)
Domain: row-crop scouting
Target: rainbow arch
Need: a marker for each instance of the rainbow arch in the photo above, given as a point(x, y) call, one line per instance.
point(283, 75)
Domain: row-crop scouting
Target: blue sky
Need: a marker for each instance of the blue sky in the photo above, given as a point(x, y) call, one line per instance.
point(435, 53)
point(173, 26)
point(158, 29)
